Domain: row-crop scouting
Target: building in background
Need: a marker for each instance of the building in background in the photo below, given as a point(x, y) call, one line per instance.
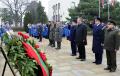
point(58, 9)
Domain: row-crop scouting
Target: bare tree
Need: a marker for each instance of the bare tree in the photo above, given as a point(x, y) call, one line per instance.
point(17, 9)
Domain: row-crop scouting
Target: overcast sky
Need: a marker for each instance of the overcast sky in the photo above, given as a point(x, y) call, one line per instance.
point(44, 3)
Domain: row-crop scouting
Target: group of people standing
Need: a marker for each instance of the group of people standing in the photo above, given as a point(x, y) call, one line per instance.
point(104, 37)
point(35, 30)
point(55, 34)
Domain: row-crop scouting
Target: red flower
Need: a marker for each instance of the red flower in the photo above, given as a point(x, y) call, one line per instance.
point(36, 46)
point(20, 33)
point(43, 56)
point(25, 36)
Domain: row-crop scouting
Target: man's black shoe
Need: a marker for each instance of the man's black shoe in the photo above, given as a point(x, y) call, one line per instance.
point(112, 70)
point(107, 68)
point(78, 58)
point(98, 63)
point(82, 60)
point(52, 46)
point(94, 62)
point(73, 54)
point(57, 48)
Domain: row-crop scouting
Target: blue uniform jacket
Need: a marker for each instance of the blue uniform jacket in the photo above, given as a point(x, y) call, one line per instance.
point(98, 38)
point(72, 33)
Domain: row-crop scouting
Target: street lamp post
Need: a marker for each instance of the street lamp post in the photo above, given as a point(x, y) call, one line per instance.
point(73, 4)
point(99, 8)
point(108, 10)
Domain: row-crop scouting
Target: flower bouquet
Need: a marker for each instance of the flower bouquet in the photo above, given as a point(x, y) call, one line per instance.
point(25, 55)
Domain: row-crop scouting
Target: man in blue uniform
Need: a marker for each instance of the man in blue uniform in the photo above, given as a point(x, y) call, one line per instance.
point(98, 39)
point(72, 37)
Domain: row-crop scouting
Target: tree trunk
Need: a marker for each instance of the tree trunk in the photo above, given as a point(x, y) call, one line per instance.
point(16, 18)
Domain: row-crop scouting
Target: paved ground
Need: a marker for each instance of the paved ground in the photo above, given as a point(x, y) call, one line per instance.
point(65, 65)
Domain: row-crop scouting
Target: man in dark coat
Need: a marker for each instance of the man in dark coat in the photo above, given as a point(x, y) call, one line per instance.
point(98, 40)
point(111, 44)
point(49, 25)
point(72, 37)
point(80, 38)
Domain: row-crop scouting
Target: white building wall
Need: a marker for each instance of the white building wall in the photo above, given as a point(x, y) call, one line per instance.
point(64, 6)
